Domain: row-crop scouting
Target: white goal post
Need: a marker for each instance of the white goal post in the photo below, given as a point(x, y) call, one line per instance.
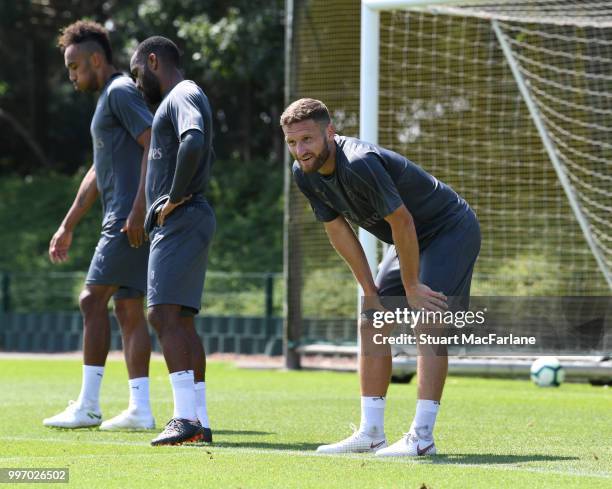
point(590, 203)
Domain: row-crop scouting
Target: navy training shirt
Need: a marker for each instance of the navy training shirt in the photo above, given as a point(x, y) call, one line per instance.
point(184, 108)
point(370, 182)
point(121, 116)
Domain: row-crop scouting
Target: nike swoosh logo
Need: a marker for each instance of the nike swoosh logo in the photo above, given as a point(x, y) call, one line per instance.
point(423, 451)
point(376, 445)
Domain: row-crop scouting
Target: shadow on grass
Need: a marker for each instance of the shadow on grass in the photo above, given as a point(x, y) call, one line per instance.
point(151, 430)
point(264, 445)
point(493, 459)
point(95, 429)
point(242, 432)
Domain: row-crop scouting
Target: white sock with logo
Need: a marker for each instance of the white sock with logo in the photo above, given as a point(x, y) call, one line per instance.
point(372, 415)
point(139, 395)
point(90, 387)
point(425, 418)
point(200, 404)
point(184, 395)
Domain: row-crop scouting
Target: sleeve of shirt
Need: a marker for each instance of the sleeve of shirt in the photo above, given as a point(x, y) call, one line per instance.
point(186, 114)
point(321, 210)
point(129, 107)
point(370, 178)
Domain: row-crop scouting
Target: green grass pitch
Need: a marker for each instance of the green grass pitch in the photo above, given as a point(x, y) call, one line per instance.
point(267, 424)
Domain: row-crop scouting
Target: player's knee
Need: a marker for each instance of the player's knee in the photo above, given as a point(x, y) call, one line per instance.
point(422, 330)
point(156, 320)
point(368, 327)
point(129, 314)
point(91, 303)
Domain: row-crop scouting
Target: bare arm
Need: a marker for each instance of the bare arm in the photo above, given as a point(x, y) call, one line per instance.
point(86, 196)
point(134, 225)
point(145, 141)
point(343, 239)
point(406, 243)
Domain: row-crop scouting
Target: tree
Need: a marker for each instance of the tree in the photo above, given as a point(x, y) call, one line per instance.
point(233, 49)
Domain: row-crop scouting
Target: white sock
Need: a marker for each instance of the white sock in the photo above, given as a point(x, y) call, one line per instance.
point(200, 403)
point(425, 418)
point(90, 387)
point(139, 395)
point(372, 415)
point(184, 395)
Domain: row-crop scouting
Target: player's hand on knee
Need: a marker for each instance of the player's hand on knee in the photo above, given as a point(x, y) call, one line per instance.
point(134, 227)
point(372, 312)
point(370, 307)
point(59, 245)
point(422, 297)
point(371, 303)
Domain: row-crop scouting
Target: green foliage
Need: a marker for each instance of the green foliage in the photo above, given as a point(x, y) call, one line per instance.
point(46, 291)
point(332, 293)
point(237, 55)
point(234, 50)
point(529, 274)
point(245, 90)
point(248, 202)
point(247, 198)
point(241, 294)
point(31, 209)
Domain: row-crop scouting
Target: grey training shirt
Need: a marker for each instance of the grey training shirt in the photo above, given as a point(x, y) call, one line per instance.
point(121, 116)
point(184, 108)
point(371, 182)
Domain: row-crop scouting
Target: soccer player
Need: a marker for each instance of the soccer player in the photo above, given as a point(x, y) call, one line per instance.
point(183, 224)
point(120, 130)
point(434, 238)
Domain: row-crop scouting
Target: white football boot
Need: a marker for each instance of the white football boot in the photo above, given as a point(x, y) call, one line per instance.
point(358, 442)
point(409, 445)
point(130, 419)
point(74, 416)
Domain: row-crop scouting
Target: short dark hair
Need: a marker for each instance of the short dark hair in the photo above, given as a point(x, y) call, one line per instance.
point(162, 47)
point(305, 109)
point(86, 31)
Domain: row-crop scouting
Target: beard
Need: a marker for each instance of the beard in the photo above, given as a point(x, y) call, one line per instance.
point(317, 161)
point(87, 82)
point(151, 90)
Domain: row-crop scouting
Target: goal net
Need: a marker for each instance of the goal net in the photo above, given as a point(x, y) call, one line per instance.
point(508, 102)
